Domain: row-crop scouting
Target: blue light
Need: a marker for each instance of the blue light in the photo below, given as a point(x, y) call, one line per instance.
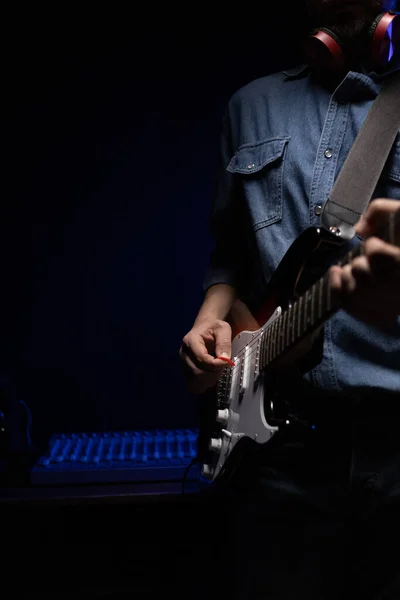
point(391, 45)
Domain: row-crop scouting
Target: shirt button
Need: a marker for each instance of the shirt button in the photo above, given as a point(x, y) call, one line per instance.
point(250, 166)
point(318, 209)
point(328, 153)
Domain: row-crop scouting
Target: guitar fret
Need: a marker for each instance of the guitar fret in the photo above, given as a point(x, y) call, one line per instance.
point(320, 292)
point(292, 330)
point(278, 337)
point(265, 347)
point(273, 334)
point(286, 329)
point(269, 349)
point(289, 325)
point(306, 309)
point(299, 328)
point(264, 350)
point(283, 320)
point(294, 307)
point(312, 312)
point(269, 345)
point(309, 310)
point(328, 294)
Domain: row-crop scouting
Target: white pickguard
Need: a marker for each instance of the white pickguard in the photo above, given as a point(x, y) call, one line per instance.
point(243, 395)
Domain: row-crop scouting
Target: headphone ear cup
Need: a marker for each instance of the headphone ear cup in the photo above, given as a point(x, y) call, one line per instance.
point(374, 25)
point(333, 36)
point(384, 39)
point(323, 50)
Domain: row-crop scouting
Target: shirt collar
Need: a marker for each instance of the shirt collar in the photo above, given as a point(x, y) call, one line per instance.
point(302, 69)
point(296, 71)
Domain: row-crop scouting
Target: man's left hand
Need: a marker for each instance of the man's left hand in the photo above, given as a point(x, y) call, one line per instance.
point(369, 286)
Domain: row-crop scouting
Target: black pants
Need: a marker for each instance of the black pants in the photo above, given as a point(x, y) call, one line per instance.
point(315, 514)
point(291, 551)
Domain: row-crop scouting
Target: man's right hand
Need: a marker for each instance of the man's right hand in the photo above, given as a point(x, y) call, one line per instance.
point(206, 340)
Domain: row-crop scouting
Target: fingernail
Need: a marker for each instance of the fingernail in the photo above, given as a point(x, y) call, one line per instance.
point(224, 354)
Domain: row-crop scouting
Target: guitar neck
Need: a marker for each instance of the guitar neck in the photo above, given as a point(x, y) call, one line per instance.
point(308, 312)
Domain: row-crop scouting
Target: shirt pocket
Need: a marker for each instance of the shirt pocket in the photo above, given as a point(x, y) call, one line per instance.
point(259, 168)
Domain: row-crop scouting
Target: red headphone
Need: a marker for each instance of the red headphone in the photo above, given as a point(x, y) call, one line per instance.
point(323, 48)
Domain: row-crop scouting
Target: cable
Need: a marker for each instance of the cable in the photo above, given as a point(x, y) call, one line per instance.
point(186, 473)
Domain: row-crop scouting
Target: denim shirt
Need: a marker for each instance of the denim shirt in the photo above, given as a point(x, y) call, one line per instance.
point(284, 140)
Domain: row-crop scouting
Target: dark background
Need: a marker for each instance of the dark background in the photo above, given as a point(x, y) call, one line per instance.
point(110, 134)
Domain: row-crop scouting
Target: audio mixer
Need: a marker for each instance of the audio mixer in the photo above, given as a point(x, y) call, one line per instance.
point(111, 457)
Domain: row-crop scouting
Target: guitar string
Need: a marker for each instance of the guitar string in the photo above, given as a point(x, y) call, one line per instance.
point(347, 258)
point(265, 328)
point(255, 341)
point(344, 260)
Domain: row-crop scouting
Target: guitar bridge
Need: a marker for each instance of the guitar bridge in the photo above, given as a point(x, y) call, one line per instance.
point(223, 387)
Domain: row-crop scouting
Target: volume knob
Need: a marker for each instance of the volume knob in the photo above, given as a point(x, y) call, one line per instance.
point(222, 416)
point(207, 471)
point(215, 444)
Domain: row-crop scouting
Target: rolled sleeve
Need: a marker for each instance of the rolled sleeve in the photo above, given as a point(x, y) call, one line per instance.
point(226, 264)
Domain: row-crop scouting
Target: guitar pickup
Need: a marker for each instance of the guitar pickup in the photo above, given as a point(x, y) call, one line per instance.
point(234, 379)
point(257, 363)
point(245, 370)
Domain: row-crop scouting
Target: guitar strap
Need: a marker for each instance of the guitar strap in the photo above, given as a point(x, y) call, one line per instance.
point(357, 180)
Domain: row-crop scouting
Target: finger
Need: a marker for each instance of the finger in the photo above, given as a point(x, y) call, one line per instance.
point(198, 381)
point(384, 259)
point(349, 277)
point(372, 303)
point(198, 370)
point(195, 348)
point(378, 261)
point(335, 278)
point(361, 271)
point(188, 364)
point(223, 340)
point(376, 215)
point(349, 283)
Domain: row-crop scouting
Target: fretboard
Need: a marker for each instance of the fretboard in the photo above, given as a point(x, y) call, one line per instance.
point(308, 312)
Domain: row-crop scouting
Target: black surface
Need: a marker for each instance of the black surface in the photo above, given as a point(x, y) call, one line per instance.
point(96, 543)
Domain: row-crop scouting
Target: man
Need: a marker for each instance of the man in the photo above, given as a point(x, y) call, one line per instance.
point(315, 519)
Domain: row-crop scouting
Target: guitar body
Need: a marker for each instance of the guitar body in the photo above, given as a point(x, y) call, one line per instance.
point(242, 407)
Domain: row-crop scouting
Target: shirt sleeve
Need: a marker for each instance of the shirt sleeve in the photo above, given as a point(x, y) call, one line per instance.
point(227, 222)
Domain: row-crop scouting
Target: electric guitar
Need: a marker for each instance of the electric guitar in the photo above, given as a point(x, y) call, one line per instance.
point(266, 343)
